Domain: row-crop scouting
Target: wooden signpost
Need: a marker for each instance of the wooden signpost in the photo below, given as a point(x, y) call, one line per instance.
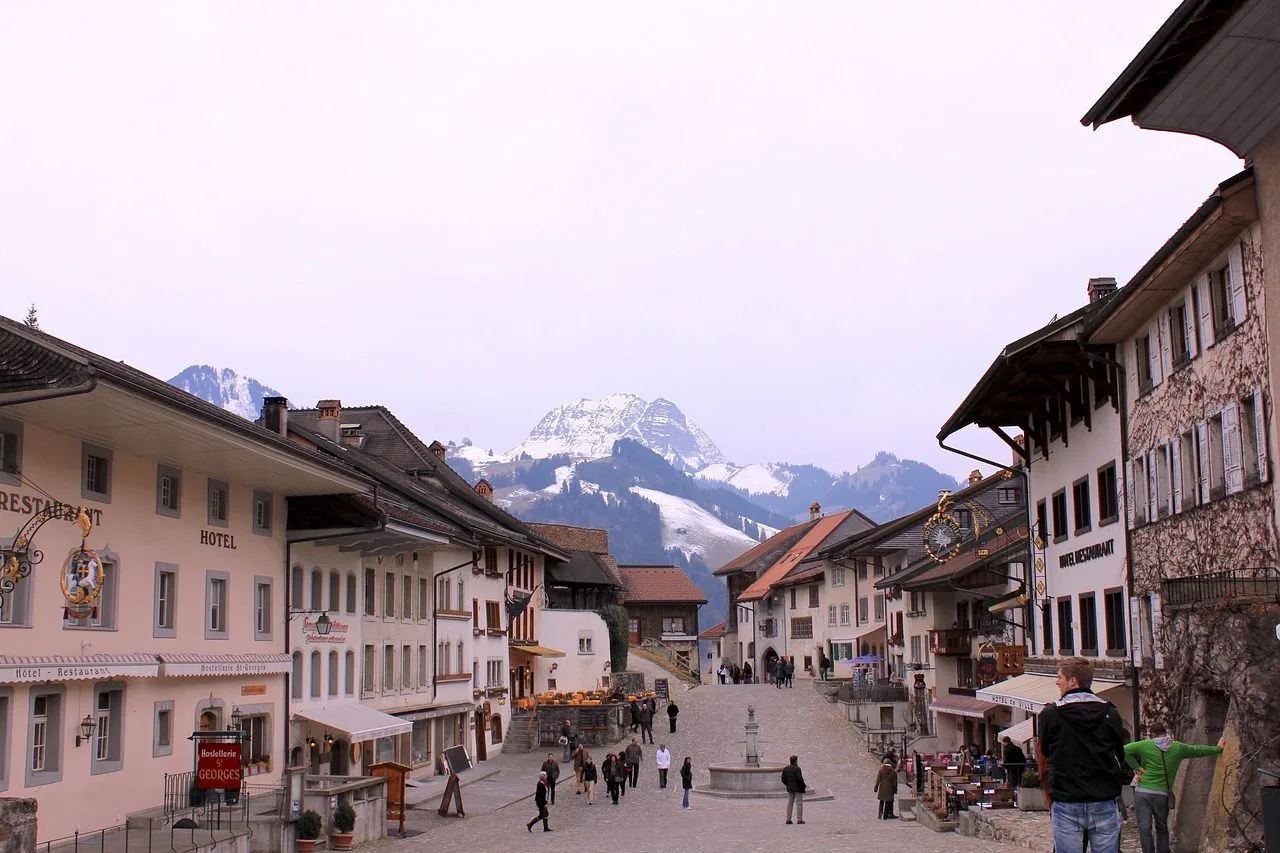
point(452, 789)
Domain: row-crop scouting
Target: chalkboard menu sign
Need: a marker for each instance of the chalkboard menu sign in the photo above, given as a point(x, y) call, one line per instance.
point(455, 758)
point(662, 687)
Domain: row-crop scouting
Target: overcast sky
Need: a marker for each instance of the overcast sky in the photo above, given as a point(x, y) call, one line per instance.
point(812, 226)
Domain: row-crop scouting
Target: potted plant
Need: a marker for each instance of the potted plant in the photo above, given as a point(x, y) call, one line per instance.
point(344, 821)
point(1030, 796)
point(307, 830)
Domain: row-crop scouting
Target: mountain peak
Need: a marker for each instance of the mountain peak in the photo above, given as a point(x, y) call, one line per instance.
point(588, 429)
point(225, 388)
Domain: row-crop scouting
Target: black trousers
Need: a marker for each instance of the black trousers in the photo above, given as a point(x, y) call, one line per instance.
point(662, 777)
point(646, 731)
point(635, 774)
point(543, 814)
point(886, 810)
point(673, 724)
point(613, 792)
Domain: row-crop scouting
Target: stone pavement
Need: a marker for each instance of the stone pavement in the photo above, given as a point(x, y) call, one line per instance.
point(650, 819)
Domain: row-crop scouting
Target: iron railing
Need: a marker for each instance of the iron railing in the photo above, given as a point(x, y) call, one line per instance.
point(197, 829)
point(1231, 586)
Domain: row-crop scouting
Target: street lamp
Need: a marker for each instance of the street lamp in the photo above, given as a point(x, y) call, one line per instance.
point(236, 718)
point(323, 624)
point(87, 728)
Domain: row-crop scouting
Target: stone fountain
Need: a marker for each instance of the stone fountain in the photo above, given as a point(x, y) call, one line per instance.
point(753, 780)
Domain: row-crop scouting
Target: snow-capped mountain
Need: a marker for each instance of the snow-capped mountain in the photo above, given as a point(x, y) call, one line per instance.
point(587, 429)
point(225, 388)
point(768, 478)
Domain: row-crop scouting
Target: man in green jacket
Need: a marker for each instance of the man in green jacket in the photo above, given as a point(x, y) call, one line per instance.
point(1156, 761)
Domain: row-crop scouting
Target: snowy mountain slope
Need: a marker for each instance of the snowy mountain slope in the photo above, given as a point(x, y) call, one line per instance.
point(225, 388)
point(691, 529)
point(757, 479)
point(588, 429)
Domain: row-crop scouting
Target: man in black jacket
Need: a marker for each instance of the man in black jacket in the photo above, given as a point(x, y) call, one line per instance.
point(540, 800)
point(672, 710)
point(552, 770)
point(1015, 762)
point(793, 780)
point(1082, 739)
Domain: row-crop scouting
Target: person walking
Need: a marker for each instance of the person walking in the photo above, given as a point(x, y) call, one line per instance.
point(552, 769)
point(634, 708)
point(635, 754)
point(886, 788)
point(686, 781)
point(1156, 760)
point(747, 672)
point(589, 777)
point(663, 759)
point(791, 670)
point(1015, 762)
point(577, 768)
point(646, 724)
point(612, 769)
point(672, 710)
point(567, 738)
point(793, 781)
point(540, 800)
point(1082, 741)
point(779, 672)
point(720, 673)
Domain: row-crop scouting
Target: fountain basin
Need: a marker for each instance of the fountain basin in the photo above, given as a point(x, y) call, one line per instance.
point(751, 783)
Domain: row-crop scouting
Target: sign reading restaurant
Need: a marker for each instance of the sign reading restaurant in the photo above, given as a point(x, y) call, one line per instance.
point(31, 504)
point(11, 673)
point(1087, 553)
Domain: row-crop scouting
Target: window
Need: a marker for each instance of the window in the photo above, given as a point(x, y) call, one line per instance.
point(388, 668)
point(1189, 463)
point(406, 596)
point(837, 575)
point(15, 609)
point(844, 613)
point(461, 597)
point(584, 643)
point(389, 596)
point(370, 584)
point(1108, 497)
point(1066, 642)
point(296, 591)
point(1249, 452)
point(493, 615)
point(964, 518)
point(673, 625)
point(1217, 459)
point(317, 675)
point(162, 729)
point(424, 605)
point(10, 452)
point(96, 473)
point(813, 596)
point(333, 673)
point(1042, 520)
point(1220, 302)
point(108, 735)
point(1088, 624)
point(258, 743)
point(458, 659)
point(219, 500)
point(475, 673)
point(1060, 522)
point(862, 569)
point(1113, 617)
point(44, 736)
point(1142, 361)
point(879, 611)
point(879, 564)
point(105, 616)
point(317, 589)
point(165, 622)
point(1164, 482)
point(351, 593)
point(831, 615)
point(168, 491)
point(1180, 344)
point(1007, 495)
point(1046, 629)
point(406, 668)
point(493, 672)
point(349, 673)
point(915, 649)
point(1080, 503)
point(864, 610)
point(367, 684)
point(422, 666)
point(263, 504)
point(215, 605)
point(793, 598)
point(443, 589)
point(295, 675)
point(1139, 489)
point(262, 615)
point(801, 627)
point(335, 592)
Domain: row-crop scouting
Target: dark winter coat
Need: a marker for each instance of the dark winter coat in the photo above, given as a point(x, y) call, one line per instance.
point(589, 772)
point(1013, 754)
point(634, 754)
point(552, 769)
point(672, 710)
point(1082, 738)
point(886, 783)
point(686, 776)
point(540, 795)
point(793, 779)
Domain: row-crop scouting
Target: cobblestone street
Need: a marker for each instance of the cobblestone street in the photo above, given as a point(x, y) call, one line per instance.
point(650, 819)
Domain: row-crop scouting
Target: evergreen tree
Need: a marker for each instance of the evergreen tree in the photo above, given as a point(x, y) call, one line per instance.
point(32, 319)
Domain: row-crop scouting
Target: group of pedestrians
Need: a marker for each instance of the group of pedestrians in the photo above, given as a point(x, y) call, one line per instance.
point(781, 671)
point(737, 674)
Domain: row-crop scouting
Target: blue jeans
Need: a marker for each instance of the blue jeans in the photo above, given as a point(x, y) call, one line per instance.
point(685, 804)
point(1072, 820)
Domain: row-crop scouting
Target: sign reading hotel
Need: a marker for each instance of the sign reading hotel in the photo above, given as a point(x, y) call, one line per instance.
point(217, 765)
point(337, 631)
point(214, 539)
point(1087, 553)
point(31, 504)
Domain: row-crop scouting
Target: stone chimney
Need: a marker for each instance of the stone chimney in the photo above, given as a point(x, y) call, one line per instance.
point(353, 436)
point(815, 511)
point(484, 490)
point(975, 476)
point(437, 450)
point(275, 414)
point(330, 420)
point(1101, 288)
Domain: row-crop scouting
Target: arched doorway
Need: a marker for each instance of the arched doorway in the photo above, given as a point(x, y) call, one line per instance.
point(209, 721)
point(495, 723)
point(768, 661)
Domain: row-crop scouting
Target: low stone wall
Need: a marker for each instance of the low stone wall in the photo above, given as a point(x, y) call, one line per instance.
point(17, 825)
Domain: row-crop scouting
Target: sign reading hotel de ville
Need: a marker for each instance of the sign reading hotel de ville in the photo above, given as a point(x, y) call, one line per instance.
point(337, 631)
point(21, 504)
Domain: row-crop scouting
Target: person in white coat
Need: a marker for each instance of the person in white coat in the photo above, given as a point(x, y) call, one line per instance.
point(663, 758)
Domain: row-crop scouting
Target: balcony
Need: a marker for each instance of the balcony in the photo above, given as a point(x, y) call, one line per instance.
point(1237, 586)
point(951, 641)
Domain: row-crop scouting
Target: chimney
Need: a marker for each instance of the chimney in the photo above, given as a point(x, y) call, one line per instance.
point(815, 511)
point(330, 419)
point(1021, 440)
point(437, 450)
point(975, 476)
point(352, 436)
point(275, 414)
point(1101, 288)
point(484, 490)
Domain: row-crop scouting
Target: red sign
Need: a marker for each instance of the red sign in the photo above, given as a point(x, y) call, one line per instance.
point(217, 765)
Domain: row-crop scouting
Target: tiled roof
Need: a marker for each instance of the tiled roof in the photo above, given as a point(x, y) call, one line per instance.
point(571, 538)
point(652, 584)
point(584, 567)
point(29, 366)
point(715, 632)
point(808, 543)
point(764, 555)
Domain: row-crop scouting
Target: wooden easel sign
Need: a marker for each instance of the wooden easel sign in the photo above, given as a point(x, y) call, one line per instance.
point(452, 789)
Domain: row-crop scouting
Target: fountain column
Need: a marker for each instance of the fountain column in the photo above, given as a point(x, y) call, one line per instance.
point(753, 730)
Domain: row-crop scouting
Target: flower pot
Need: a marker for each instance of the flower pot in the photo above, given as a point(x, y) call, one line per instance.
point(343, 840)
point(306, 845)
point(1031, 800)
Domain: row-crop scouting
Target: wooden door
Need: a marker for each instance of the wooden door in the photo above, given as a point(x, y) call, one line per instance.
point(633, 630)
point(481, 731)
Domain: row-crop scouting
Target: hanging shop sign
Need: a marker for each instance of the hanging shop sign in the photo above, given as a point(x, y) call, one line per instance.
point(337, 631)
point(218, 765)
point(82, 580)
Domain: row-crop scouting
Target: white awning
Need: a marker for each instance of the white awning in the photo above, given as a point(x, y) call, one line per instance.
point(225, 665)
point(1028, 692)
point(437, 711)
point(867, 629)
point(17, 670)
point(358, 722)
point(1020, 732)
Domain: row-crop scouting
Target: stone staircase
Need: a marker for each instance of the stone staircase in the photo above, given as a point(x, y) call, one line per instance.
point(519, 736)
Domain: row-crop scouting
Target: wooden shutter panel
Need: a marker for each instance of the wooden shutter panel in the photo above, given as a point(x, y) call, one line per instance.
point(1260, 430)
point(1128, 492)
point(1153, 484)
point(1189, 321)
point(1135, 632)
point(1202, 441)
point(1206, 312)
point(1166, 345)
point(1175, 474)
point(1236, 266)
point(1131, 371)
point(1157, 620)
point(1232, 452)
point(1154, 349)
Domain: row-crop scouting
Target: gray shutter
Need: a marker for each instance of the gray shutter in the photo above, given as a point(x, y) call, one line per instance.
point(1154, 347)
point(1135, 632)
point(1128, 492)
point(1157, 624)
point(1153, 487)
point(1206, 312)
point(1260, 430)
point(1202, 441)
point(1175, 474)
point(1236, 266)
point(1166, 344)
point(1131, 371)
point(1189, 321)
point(1232, 451)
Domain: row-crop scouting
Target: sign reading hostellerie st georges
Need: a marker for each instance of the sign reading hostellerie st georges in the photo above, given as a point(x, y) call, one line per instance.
point(217, 764)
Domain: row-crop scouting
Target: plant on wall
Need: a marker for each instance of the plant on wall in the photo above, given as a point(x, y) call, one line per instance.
point(615, 617)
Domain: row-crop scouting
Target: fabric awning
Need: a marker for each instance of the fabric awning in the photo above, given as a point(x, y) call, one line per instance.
point(540, 651)
point(358, 722)
point(1028, 692)
point(246, 664)
point(964, 706)
point(16, 670)
point(866, 630)
point(1020, 732)
point(437, 711)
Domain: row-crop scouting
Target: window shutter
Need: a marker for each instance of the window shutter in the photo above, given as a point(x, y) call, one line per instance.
point(1175, 474)
point(1131, 370)
point(1154, 351)
point(1206, 312)
point(1157, 620)
point(1135, 632)
point(1202, 440)
point(1128, 492)
point(1153, 483)
point(1232, 452)
point(1260, 430)
point(1189, 321)
point(1166, 344)
point(1236, 266)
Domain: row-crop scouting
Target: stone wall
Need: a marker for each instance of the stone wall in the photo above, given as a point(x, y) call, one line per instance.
point(17, 825)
